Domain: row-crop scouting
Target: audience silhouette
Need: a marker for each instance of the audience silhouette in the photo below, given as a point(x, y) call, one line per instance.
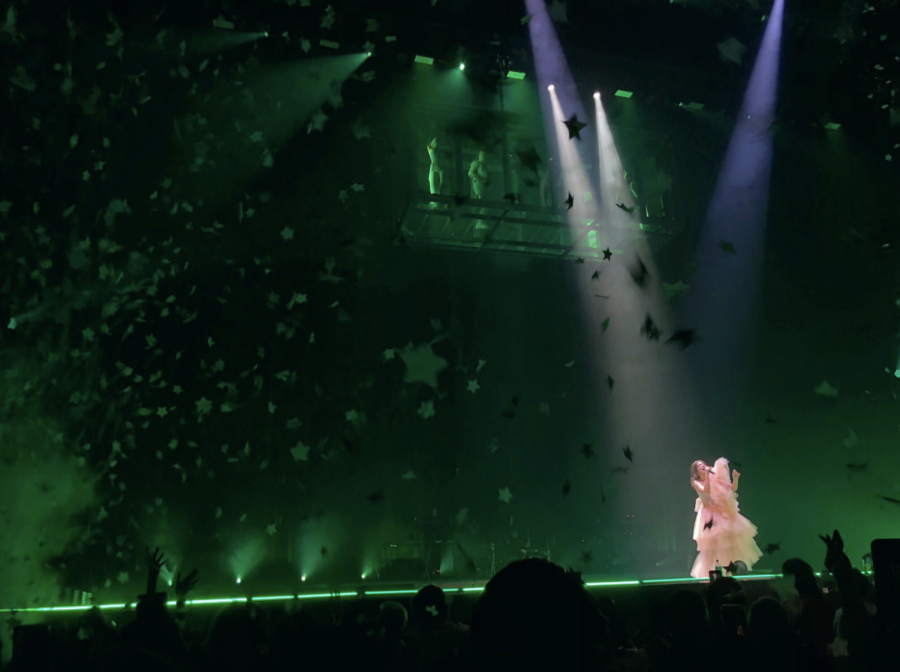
point(531, 615)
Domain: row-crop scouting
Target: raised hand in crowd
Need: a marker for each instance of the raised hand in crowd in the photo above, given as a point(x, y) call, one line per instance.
point(185, 585)
point(155, 562)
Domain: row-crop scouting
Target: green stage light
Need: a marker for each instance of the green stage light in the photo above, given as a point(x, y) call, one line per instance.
point(375, 593)
point(624, 94)
point(424, 60)
point(462, 66)
point(832, 126)
point(512, 74)
point(687, 580)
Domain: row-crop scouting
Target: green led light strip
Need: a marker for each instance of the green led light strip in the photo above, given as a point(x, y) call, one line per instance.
point(376, 593)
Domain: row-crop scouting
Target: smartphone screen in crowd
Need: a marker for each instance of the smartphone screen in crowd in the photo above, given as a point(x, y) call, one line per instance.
point(715, 574)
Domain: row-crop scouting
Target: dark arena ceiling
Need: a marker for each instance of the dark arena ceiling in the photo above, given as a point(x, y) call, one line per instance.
point(839, 61)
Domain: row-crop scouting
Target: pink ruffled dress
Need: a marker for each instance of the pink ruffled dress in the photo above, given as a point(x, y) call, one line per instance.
point(722, 534)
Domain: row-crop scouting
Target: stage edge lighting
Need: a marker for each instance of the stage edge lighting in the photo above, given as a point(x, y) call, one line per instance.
point(306, 596)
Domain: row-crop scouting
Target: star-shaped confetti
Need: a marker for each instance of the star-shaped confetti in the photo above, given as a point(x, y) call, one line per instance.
point(426, 410)
point(297, 299)
point(360, 131)
point(270, 529)
point(300, 452)
point(204, 406)
point(422, 365)
point(505, 495)
point(574, 127)
point(317, 123)
point(473, 386)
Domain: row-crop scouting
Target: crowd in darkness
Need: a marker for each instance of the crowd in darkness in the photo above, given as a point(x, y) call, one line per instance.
point(532, 615)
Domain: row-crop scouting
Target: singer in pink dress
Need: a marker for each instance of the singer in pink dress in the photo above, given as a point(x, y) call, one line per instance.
point(722, 534)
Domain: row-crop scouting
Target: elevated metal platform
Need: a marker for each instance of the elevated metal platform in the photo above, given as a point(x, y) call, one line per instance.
point(500, 226)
